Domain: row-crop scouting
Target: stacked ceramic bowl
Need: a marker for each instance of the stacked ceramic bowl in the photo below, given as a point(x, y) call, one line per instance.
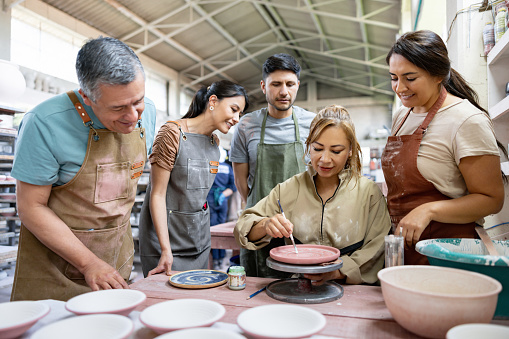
point(472, 255)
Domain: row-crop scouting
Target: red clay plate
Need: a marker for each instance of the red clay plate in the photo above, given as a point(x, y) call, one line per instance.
point(308, 254)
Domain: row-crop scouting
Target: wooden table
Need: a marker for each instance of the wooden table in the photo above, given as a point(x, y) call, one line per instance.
point(360, 313)
point(222, 236)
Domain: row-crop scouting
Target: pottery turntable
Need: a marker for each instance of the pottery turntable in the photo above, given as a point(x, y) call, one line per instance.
point(310, 259)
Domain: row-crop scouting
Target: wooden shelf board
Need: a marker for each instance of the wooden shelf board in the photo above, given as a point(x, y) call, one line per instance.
point(9, 110)
point(500, 109)
point(501, 49)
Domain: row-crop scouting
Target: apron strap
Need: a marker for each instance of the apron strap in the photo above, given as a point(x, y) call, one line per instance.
point(296, 124)
point(431, 114)
point(434, 109)
point(262, 132)
point(184, 136)
point(87, 121)
point(79, 107)
point(297, 134)
point(403, 121)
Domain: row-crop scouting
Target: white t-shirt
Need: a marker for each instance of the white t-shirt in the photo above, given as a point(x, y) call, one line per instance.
point(457, 131)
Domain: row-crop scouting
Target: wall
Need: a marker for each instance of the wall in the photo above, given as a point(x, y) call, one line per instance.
point(69, 22)
point(5, 34)
point(368, 113)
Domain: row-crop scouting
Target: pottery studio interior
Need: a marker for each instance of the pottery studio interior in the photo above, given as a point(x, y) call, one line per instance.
point(254, 169)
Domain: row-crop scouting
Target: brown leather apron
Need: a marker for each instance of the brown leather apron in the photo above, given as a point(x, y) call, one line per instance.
point(96, 205)
point(408, 189)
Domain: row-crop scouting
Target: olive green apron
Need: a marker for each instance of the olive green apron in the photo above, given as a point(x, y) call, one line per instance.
point(274, 164)
point(96, 205)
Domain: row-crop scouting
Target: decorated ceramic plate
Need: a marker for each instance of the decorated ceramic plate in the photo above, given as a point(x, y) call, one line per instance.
point(198, 279)
point(308, 254)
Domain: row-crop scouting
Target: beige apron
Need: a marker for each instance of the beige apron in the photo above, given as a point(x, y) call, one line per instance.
point(96, 205)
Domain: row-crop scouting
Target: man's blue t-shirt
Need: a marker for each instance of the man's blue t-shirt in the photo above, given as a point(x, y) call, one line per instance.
point(52, 140)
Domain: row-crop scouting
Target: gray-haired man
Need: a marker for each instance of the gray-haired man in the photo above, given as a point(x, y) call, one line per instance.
point(78, 159)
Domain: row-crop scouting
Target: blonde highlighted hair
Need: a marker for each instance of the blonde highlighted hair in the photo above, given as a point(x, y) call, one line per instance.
point(337, 116)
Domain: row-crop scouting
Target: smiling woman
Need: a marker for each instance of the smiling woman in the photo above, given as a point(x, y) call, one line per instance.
point(174, 221)
point(441, 164)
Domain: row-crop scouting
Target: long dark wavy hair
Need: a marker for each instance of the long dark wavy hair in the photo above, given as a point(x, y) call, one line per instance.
point(426, 50)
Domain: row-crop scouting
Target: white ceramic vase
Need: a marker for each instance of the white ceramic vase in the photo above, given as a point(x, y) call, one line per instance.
point(12, 82)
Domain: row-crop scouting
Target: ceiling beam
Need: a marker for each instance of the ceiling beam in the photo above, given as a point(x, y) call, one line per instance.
point(359, 8)
point(162, 37)
point(233, 64)
point(7, 4)
point(230, 51)
point(340, 57)
point(352, 86)
point(340, 40)
point(304, 9)
point(221, 30)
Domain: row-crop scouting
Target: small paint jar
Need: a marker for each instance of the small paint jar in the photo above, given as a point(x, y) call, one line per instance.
point(236, 278)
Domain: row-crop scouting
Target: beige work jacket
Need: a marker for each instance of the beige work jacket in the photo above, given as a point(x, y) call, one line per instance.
point(354, 220)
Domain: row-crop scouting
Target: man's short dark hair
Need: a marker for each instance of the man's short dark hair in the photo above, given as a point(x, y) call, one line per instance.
point(281, 61)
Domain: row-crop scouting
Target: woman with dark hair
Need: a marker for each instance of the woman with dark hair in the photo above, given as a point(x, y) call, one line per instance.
point(174, 221)
point(441, 163)
point(330, 204)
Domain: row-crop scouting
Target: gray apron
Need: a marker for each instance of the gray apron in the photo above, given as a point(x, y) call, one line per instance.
point(274, 164)
point(187, 213)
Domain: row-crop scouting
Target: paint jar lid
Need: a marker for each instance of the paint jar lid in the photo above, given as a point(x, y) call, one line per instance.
point(236, 270)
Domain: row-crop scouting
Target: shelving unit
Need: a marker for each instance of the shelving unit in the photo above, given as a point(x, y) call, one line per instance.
point(8, 219)
point(498, 77)
point(498, 103)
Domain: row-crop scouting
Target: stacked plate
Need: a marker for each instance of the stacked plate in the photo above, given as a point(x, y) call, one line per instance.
point(102, 314)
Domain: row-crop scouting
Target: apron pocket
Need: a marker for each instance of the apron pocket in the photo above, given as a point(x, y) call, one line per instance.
point(189, 232)
point(106, 244)
point(112, 182)
point(198, 174)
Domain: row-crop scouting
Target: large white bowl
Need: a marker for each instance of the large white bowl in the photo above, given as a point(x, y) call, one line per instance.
point(180, 314)
point(281, 321)
point(475, 331)
point(121, 301)
point(429, 300)
point(200, 333)
point(18, 316)
point(96, 326)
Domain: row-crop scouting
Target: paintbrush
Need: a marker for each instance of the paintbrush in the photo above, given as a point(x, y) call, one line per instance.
point(291, 236)
point(257, 292)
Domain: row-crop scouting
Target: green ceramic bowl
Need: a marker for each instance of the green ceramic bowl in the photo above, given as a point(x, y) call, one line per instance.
point(471, 255)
